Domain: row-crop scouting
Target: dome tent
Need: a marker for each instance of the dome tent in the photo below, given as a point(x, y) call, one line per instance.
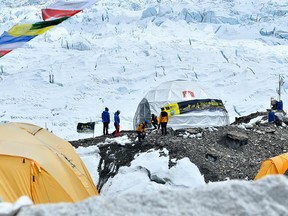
point(40, 165)
point(187, 103)
point(273, 166)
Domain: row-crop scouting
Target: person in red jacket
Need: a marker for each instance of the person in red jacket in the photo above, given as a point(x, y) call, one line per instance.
point(163, 119)
point(116, 123)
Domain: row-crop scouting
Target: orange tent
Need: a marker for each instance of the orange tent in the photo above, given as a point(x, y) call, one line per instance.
point(40, 165)
point(274, 165)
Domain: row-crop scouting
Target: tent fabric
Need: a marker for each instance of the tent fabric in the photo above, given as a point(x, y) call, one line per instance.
point(174, 92)
point(272, 166)
point(40, 165)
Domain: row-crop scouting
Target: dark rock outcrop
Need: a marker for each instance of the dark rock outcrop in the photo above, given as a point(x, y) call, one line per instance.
point(228, 152)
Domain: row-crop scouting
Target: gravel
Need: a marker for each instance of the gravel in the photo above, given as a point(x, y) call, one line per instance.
point(221, 153)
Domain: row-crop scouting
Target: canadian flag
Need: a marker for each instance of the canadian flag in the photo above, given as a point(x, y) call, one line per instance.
point(188, 94)
point(64, 8)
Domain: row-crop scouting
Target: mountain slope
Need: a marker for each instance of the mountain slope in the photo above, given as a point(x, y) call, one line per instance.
point(112, 53)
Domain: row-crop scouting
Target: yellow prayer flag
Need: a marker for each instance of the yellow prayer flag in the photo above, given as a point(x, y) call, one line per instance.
point(25, 29)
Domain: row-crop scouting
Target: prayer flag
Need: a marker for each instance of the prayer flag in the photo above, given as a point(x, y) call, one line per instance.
point(34, 29)
point(64, 8)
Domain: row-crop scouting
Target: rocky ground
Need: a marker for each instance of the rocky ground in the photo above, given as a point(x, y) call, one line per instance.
point(233, 151)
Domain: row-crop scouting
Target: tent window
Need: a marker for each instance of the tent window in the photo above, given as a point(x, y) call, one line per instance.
point(145, 112)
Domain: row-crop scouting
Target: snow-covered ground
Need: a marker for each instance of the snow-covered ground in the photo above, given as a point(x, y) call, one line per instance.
point(114, 52)
point(135, 177)
point(237, 198)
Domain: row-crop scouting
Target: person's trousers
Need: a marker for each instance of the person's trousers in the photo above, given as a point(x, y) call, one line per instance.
point(155, 125)
point(139, 136)
point(105, 128)
point(117, 128)
point(164, 128)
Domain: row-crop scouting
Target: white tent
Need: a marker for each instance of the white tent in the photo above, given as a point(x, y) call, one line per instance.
point(187, 103)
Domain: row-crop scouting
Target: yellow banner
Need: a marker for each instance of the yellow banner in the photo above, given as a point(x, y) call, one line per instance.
point(194, 105)
point(172, 109)
point(25, 29)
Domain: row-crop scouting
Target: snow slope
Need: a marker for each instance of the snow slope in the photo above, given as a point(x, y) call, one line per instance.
point(114, 52)
point(263, 197)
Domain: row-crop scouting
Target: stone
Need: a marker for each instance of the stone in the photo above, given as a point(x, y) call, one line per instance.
point(211, 154)
point(235, 139)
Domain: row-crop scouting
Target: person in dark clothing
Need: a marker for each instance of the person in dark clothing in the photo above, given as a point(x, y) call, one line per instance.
point(116, 123)
point(154, 121)
point(141, 131)
point(163, 118)
point(274, 104)
point(105, 120)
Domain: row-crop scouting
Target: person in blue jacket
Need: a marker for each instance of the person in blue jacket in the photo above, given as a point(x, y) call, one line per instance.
point(105, 120)
point(116, 123)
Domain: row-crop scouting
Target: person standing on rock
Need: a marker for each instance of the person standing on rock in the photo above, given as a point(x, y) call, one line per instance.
point(163, 119)
point(154, 121)
point(116, 123)
point(141, 131)
point(105, 120)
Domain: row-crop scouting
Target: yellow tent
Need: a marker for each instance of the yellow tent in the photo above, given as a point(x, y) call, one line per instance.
point(40, 165)
point(274, 165)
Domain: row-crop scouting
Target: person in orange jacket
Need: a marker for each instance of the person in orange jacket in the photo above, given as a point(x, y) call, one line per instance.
point(141, 131)
point(163, 119)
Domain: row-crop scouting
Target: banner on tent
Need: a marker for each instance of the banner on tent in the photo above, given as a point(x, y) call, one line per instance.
point(194, 105)
point(86, 127)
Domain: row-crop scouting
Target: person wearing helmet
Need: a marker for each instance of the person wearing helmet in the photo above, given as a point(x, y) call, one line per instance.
point(141, 131)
